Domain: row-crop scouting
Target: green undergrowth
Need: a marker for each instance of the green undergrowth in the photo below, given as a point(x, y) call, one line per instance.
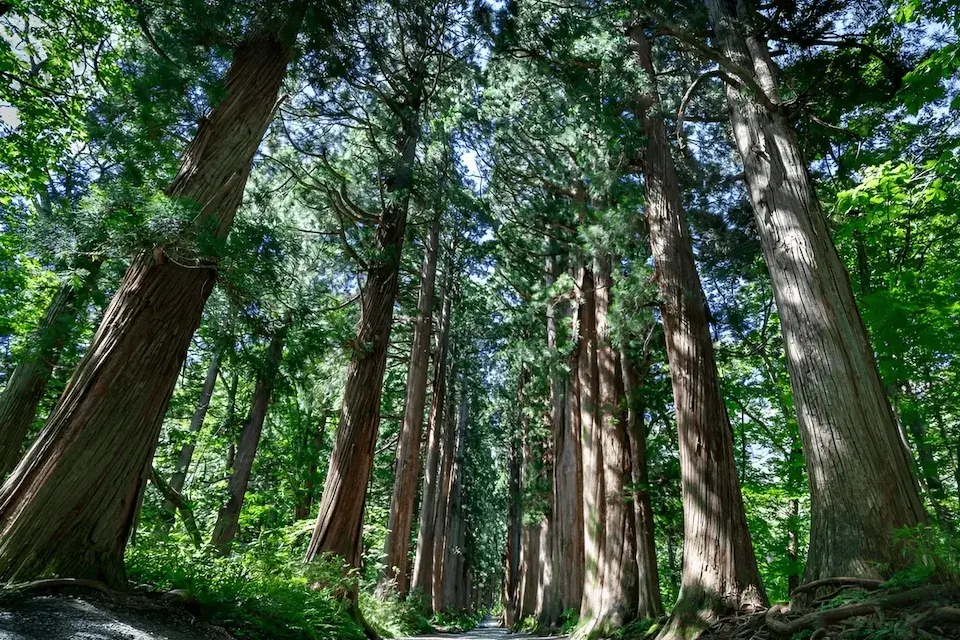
point(393, 618)
point(457, 621)
point(265, 593)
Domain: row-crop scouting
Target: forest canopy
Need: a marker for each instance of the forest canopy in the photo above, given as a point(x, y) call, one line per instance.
point(368, 317)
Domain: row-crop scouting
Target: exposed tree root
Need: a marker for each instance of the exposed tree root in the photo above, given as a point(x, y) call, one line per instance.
point(928, 613)
point(22, 588)
point(863, 583)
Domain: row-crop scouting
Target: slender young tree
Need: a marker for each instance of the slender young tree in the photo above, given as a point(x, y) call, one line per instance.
point(861, 483)
point(228, 518)
point(403, 500)
point(719, 567)
point(69, 506)
point(185, 456)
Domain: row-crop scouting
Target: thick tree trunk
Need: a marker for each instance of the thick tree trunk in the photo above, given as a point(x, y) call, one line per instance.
point(423, 559)
point(441, 520)
point(529, 571)
point(861, 485)
point(568, 495)
point(719, 567)
point(594, 515)
point(340, 521)
point(302, 512)
point(618, 604)
point(185, 457)
point(547, 614)
point(649, 601)
point(28, 382)
point(68, 507)
point(403, 501)
point(452, 576)
point(530, 528)
point(228, 518)
point(511, 604)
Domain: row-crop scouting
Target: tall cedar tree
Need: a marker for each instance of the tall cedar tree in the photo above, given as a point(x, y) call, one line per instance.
point(403, 500)
point(720, 572)
point(68, 507)
point(861, 483)
point(423, 560)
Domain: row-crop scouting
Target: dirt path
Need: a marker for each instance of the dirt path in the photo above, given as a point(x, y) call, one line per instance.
point(486, 631)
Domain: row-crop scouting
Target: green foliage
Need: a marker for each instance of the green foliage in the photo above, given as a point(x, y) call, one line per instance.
point(935, 556)
point(256, 597)
point(457, 621)
point(392, 617)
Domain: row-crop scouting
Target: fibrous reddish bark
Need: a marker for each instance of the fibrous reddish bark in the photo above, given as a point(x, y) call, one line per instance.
point(649, 601)
point(403, 500)
point(861, 483)
point(228, 517)
point(453, 539)
point(592, 452)
point(340, 521)
point(618, 604)
point(441, 519)
point(511, 583)
point(68, 507)
point(423, 560)
point(719, 567)
point(568, 507)
point(28, 382)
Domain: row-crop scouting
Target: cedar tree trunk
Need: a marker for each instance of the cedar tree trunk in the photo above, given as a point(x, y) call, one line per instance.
point(720, 572)
point(225, 529)
point(403, 501)
point(861, 484)
point(28, 382)
point(68, 507)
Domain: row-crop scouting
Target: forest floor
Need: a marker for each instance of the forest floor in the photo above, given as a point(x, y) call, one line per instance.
point(101, 617)
point(487, 630)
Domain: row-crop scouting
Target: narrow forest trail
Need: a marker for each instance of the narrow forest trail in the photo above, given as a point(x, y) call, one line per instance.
point(488, 630)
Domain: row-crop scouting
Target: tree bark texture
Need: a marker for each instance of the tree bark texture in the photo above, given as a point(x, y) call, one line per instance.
point(403, 500)
point(340, 520)
point(861, 484)
point(28, 382)
point(228, 518)
point(649, 601)
point(423, 559)
point(453, 565)
point(592, 451)
point(68, 508)
point(618, 604)
point(441, 518)
point(568, 496)
point(719, 566)
point(511, 604)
